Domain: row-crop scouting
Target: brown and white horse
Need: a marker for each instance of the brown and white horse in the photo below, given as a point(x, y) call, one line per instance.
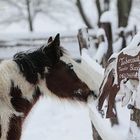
point(46, 71)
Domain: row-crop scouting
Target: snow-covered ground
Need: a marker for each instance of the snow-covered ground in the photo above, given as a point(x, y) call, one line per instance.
point(53, 119)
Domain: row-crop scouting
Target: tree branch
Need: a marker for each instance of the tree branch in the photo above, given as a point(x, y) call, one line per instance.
point(81, 11)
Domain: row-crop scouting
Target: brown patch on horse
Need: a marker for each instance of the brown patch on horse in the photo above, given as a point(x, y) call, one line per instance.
point(21, 104)
point(63, 82)
point(15, 128)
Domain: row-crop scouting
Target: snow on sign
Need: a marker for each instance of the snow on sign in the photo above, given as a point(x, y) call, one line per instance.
point(122, 69)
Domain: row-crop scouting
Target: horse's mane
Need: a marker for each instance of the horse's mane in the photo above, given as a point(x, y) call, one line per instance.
point(32, 63)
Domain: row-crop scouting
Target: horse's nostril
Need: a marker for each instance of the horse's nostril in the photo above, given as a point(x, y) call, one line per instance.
point(93, 93)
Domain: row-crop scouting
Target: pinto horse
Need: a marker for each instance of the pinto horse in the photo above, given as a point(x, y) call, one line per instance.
point(45, 71)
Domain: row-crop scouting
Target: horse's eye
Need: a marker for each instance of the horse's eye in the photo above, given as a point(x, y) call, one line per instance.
point(78, 91)
point(70, 69)
point(70, 65)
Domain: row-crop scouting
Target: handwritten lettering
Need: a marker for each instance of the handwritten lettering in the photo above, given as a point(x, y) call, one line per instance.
point(127, 60)
point(128, 75)
point(128, 66)
point(134, 68)
point(122, 68)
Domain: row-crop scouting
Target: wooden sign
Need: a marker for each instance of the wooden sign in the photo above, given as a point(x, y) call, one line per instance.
point(125, 65)
point(128, 66)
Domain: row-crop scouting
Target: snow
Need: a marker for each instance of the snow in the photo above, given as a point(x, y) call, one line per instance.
point(135, 131)
point(111, 16)
point(102, 48)
point(92, 68)
point(117, 45)
point(103, 126)
point(58, 18)
point(136, 96)
point(53, 119)
point(91, 14)
point(95, 66)
point(135, 41)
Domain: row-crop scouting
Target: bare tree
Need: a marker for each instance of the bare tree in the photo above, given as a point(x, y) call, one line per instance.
point(29, 15)
point(83, 15)
point(99, 10)
point(124, 8)
point(106, 5)
point(27, 10)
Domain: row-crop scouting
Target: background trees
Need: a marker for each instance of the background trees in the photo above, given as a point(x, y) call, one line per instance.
point(14, 11)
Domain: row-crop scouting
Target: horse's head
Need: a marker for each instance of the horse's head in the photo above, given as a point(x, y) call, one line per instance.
point(63, 76)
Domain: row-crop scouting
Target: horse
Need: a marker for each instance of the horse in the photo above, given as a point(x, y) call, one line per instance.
point(122, 76)
point(45, 71)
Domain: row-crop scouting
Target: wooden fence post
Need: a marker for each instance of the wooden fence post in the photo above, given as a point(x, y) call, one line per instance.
point(122, 35)
point(108, 31)
point(135, 123)
point(83, 39)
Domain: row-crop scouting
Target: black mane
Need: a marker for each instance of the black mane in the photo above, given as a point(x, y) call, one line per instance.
point(33, 63)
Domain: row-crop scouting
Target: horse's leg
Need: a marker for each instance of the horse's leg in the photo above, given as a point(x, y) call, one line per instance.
point(10, 128)
point(4, 121)
point(15, 128)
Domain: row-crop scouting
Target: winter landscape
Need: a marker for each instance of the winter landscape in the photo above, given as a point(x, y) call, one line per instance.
point(106, 30)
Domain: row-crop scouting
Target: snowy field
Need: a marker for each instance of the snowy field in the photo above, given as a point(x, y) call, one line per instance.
point(56, 120)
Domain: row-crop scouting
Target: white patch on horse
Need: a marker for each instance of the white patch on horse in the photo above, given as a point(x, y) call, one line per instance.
point(5, 115)
point(9, 71)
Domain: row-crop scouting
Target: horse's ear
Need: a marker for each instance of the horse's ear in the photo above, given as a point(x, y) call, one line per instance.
point(56, 41)
point(53, 49)
point(50, 39)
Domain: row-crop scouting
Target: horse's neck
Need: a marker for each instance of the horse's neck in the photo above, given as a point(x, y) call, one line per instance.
point(10, 118)
point(10, 72)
